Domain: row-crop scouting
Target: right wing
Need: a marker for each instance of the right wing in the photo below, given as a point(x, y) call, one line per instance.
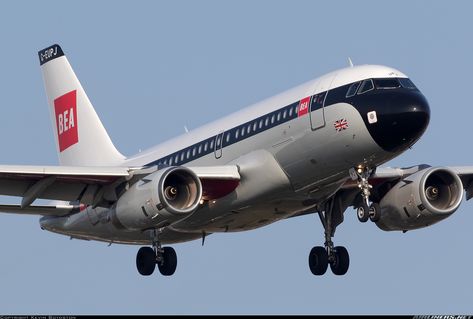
point(42, 210)
point(67, 183)
point(97, 186)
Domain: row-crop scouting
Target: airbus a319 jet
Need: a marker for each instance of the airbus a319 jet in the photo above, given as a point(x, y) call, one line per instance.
point(314, 149)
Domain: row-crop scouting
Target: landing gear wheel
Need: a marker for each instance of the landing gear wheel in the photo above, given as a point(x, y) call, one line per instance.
point(363, 213)
point(375, 212)
point(341, 261)
point(168, 264)
point(146, 261)
point(318, 260)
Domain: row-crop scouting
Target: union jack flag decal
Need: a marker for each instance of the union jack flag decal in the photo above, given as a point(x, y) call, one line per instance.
point(340, 125)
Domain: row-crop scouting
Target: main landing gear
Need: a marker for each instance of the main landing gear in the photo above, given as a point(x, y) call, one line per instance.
point(165, 257)
point(337, 257)
point(366, 210)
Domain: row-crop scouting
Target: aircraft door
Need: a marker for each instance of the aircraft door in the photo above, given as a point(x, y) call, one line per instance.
point(317, 103)
point(218, 145)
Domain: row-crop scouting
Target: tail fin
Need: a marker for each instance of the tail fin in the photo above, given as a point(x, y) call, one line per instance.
point(81, 139)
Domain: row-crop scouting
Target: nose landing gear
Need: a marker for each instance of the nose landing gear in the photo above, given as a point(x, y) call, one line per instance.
point(366, 210)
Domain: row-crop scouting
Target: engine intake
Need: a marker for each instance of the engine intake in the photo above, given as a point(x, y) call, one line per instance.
point(180, 190)
point(442, 191)
point(160, 198)
point(421, 199)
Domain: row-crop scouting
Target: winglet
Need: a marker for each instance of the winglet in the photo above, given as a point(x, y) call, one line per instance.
point(50, 53)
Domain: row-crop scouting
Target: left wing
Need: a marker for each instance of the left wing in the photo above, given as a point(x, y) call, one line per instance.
point(385, 177)
point(386, 174)
point(389, 174)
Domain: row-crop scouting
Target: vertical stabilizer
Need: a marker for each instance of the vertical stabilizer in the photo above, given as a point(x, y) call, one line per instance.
point(81, 139)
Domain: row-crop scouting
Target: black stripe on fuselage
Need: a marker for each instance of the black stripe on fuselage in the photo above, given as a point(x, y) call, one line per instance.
point(217, 143)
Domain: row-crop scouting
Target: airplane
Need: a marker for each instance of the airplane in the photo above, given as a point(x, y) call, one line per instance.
point(317, 148)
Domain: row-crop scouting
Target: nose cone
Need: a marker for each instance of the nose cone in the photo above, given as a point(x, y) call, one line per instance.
point(401, 119)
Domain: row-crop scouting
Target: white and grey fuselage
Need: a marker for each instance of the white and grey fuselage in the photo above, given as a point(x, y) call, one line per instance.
point(293, 151)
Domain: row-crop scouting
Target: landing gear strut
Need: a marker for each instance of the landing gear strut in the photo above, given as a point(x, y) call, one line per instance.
point(164, 257)
point(366, 210)
point(337, 257)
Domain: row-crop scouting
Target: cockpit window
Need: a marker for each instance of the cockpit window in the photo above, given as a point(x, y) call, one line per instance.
point(366, 85)
point(391, 83)
point(352, 89)
point(406, 83)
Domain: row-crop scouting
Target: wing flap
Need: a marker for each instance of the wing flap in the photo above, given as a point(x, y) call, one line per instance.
point(225, 172)
point(217, 181)
point(46, 210)
point(64, 173)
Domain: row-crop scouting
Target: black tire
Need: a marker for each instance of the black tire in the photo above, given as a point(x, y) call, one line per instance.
point(341, 261)
point(362, 213)
point(168, 265)
point(375, 212)
point(145, 261)
point(318, 260)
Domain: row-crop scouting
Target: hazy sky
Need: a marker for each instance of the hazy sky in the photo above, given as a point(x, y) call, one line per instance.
point(151, 67)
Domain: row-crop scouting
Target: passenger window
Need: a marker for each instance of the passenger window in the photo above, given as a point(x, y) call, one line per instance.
point(182, 156)
point(212, 145)
point(237, 134)
point(284, 114)
point(170, 161)
point(166, 162)
point(188, 155)
point(200, 148)
point(206, 146)
point(352, 89)
point(242, 131)
point(228, 137)
point(266, 121)
point(290, 112)
point(272, 119)
point(255, 126)
point(194, 150)
point(383, 84)
point(278, 117)
point(260, 124)
point(176, 158)
point(248, 129)
point(366, 85)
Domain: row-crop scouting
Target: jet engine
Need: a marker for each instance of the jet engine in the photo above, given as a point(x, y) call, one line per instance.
point(420, 200)
point(159, 199)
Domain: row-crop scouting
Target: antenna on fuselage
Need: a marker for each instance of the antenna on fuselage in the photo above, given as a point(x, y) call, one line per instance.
point(350, 62)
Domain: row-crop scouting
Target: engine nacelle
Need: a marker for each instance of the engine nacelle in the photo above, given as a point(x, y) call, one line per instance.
point(421, 199)
point(159, 199)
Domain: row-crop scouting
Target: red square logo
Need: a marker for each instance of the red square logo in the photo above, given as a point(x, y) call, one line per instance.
point(303, 106)
point(65, 108)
